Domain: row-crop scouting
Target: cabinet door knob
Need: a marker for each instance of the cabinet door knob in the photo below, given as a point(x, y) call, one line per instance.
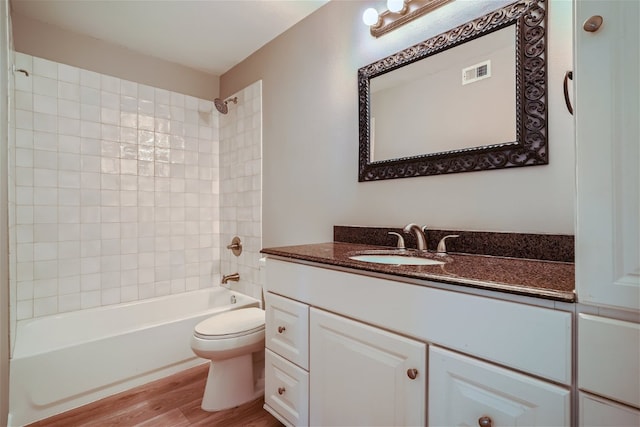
point(281, 329)
point(593, 24)
point(485, 421)
point(412, 373)
point(281, 390)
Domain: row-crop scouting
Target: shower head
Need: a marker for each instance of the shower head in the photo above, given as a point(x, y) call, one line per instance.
point(222, 106)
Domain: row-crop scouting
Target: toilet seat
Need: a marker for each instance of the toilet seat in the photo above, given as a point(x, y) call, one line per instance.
point(231, 324)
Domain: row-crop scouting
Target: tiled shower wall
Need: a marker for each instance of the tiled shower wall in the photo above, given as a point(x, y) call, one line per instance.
point(9, 204)
point(241, 188)
point(116, 191)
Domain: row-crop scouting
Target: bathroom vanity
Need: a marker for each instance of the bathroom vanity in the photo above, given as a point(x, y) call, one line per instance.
point(476, 341)
point(346, 346)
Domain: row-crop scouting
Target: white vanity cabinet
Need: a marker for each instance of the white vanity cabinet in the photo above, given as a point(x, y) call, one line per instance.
point(361, 375)
point(464, 391)
point(353, 365)
point(369, 340)
point(607, 98)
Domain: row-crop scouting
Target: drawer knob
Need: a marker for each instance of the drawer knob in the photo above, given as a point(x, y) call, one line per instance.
point(281, 390)
point(412, 373)
point(485, 421)
point(281, 329)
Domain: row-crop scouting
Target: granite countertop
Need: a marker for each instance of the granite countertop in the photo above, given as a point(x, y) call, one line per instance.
point(544, 279)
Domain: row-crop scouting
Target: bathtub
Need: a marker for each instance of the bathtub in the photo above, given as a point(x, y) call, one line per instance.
point(64, 361)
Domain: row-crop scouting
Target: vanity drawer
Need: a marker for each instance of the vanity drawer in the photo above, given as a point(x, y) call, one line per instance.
point(287, 329)
point(467, 391)
point(609, 358)
point(598, 412)
point(286, 389)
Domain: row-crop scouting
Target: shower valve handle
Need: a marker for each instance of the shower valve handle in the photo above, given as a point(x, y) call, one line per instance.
point(235, 246)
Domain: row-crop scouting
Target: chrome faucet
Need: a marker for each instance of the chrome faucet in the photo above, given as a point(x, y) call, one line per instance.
point(420, 235)
point(230, 278)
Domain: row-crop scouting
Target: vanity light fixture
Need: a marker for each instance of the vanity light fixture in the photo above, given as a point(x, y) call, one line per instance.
point(398, 13)
point(370, 16)
point(395, 5)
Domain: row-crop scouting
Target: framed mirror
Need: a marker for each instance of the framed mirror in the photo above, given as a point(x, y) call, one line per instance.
point(470, 99)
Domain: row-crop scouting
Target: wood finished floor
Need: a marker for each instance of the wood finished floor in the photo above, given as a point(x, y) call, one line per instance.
point(170, 402)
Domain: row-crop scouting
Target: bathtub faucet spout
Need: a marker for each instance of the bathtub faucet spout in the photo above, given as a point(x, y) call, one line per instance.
point(230, 278)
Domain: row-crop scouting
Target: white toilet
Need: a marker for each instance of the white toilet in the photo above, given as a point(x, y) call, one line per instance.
point(228, 340)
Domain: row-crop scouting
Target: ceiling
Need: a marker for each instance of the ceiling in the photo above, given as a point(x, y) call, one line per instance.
point(207, 35)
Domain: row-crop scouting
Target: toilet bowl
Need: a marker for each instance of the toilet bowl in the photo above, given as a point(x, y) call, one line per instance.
point(228, 340)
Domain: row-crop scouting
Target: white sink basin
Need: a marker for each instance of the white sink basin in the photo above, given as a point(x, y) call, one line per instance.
point(396, 259)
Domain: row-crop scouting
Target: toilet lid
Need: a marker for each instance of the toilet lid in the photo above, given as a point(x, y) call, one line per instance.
point(232, 322)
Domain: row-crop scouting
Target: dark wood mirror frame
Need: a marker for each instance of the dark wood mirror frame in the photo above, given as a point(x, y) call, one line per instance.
point(530, 147)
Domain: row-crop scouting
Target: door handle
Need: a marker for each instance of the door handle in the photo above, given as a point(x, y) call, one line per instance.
point(593, 24)
point(567, 76)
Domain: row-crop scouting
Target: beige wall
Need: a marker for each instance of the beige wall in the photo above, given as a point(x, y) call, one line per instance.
point(46, 41)
point(311, 137)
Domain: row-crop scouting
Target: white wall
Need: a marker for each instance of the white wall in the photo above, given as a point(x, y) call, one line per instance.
point(115, 192)
point(310, 103)
point(6, 54)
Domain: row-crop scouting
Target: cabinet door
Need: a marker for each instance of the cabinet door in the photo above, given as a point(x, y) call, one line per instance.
point(364, 376)
point(607, 149)
point(598, 412)
point(465, 392)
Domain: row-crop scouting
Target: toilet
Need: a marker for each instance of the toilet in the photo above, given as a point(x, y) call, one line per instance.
point(228, 340)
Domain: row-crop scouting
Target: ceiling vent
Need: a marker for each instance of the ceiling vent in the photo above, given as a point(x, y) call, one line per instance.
point(476, 72)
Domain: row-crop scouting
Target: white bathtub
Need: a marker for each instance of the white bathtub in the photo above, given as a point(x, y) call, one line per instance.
point(67, 360)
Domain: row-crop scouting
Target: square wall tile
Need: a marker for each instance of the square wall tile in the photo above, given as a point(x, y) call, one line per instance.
point(113, 182)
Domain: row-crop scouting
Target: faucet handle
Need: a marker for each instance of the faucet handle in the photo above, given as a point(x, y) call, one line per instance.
point(424, 233)
point(442, 247)
point(400, 244)
point(235, 246)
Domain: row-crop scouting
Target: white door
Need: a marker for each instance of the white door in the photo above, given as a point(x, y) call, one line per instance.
point(364, 376)
point(464, 391)
point(607, 114)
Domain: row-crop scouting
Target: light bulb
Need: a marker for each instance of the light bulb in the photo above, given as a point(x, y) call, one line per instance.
point(370, 16)
point(395, 5)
